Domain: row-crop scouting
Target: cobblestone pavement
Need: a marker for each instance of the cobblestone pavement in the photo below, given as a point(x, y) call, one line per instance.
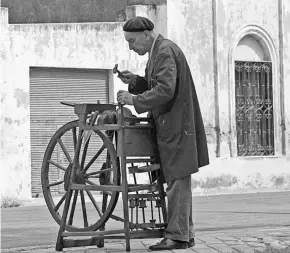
point(247, 240)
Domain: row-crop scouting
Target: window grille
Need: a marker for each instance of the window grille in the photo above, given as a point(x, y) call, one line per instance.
point(254, 108)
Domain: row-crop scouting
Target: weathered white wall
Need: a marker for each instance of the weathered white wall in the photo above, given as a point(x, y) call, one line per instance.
point(190, 26)
point(286, 56)
point(232, 17)
point(156, 13)
point(88, 45)
point(101, 45)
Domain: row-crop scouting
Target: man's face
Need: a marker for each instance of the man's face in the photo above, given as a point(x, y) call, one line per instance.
point(138, 41)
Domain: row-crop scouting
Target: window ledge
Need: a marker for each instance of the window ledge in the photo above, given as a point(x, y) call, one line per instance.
point(260, 157)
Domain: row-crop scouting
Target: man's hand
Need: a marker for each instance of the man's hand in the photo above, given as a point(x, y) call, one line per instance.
point(124, 97)
point(127, 77)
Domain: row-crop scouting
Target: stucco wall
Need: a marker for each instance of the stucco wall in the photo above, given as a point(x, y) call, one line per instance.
point(286, 56)
point(89, 45)
point(101, 45)
point(190, 25)
point(233, 16)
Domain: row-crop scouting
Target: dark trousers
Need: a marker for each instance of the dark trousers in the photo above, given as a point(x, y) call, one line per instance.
point(180, 225)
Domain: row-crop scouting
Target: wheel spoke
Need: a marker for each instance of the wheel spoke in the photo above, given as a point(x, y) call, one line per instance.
point(64, 150)
point(74, 131)
point(56, 183)
point(84, 209)
point(94, 203)
point(98, 172)
point(72, 211)
point(104, 203)
point(94, 158)
point(89, 182)
point(60, 202)
point(57, 165)
point(85, 153)
point(97, 176)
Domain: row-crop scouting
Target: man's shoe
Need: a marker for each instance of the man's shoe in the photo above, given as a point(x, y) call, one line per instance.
point(191, 243)
point(168, 244)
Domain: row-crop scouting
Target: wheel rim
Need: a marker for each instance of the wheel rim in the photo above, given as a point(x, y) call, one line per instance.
point(97, 165)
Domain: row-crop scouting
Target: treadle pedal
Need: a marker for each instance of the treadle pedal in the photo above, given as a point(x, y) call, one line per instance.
point(152, 224)
point(69, 243)
point(142, 169)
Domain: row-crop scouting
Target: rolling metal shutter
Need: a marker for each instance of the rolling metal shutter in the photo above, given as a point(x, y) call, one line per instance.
point(49, 86)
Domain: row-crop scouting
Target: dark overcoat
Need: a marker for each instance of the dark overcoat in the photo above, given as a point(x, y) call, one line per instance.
point(167, 91)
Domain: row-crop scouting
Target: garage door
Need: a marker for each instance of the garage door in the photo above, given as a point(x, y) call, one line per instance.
point(49, 86)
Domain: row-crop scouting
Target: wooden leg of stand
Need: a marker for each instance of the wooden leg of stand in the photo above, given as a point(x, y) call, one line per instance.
point(101, 242)
point(126, 216)
point(124, 182)
point(125, 203)
point(59, 242)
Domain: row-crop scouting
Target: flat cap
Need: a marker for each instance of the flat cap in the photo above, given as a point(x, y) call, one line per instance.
point(138, 24)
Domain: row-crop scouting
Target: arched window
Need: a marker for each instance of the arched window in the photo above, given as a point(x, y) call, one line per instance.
point(253, 98)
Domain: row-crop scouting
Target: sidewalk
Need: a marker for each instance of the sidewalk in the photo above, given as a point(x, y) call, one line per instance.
point(247, 240)
point(244, 223)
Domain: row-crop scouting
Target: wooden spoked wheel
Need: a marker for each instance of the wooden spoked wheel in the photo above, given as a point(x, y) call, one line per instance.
point(96, 164)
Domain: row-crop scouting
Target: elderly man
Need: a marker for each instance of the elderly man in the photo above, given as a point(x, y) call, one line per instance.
point(168, 93)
